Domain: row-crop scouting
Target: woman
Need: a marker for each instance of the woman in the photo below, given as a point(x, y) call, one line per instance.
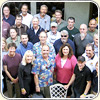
point(4, 52)
point(24, 74)
point(65, 64)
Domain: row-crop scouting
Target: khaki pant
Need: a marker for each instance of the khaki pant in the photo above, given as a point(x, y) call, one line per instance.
point(45, 91)
point(13, 88)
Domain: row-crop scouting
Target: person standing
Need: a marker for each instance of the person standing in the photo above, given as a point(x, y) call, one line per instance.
point(44, 19)
point(43, 72)
point(72, 30)
point(81, 78)
point(7, 16)
point(24, 74)
point(26, 17)
point(11, 63)
point(65, 64)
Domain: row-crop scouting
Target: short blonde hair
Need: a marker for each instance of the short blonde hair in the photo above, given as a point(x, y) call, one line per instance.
point(4, 40)
point(28, 52)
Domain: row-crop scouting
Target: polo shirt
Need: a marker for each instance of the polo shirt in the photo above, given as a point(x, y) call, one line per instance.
point(27, 19)
point(91, 62)
point(53, 37)
point(21, 49)
point(5, 29)
point(92, 33)
point(71, 32)
point(61, 25)
point(34, 37)
point(10, 19)
point(81, 78)
point(81, 44)
point(17, 42)
point(44, 22)
point(58, 43)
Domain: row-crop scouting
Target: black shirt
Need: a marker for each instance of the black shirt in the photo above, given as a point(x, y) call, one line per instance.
point(81, 78)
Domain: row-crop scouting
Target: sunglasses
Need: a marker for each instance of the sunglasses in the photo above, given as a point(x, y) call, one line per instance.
point(63, 35)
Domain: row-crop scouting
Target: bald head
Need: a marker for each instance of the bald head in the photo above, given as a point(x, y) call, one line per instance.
point(92, 25)
point(83, 28)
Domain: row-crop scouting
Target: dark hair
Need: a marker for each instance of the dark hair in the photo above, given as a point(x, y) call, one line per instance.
point(6, 6)
point(71, 18)
point(25, 5)
point(24, 34)
point(12, 27)
point(18, 15)
point(90, 45)
point(12, 45)
point(70, 50)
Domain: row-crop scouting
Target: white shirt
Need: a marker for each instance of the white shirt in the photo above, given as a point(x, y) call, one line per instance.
point(63, 62)
point(91, 62)
point(53, 37)
point(27, 20)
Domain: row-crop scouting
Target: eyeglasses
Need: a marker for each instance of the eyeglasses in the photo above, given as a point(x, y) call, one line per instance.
point(63, 35)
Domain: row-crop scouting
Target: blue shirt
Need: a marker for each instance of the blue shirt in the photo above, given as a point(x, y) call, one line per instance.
point(10, 20)
point(58, 43)
point(44, 22)
point(21, 49)
point(34, 37)
point(44, 70)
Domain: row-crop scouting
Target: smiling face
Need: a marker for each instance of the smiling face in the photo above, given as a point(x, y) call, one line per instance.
point(92, 25)
point(24, 39)
point(35, 22)
point(12, 51)
point(24, 10)
point(18, 21)
point(83, 29)
point(64, 37)
point(6, 11)
point(13, 33)
point(58, 16)
point(43, 37)
point(65, 51)
point(45, 51)
point(89, 52)
point(29, 58)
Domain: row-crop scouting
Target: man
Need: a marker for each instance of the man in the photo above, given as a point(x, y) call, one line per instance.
point(91, 58)
point(20, 28)
point(11, 63)
point(37, 47)
point(92, 27)
point(5, 29)
point(95, 43)
point(81, 40)
point(64, 39)
point(26, 17)
point(44, 19)
point(72, 30)
point(13, 37)
point(53, 35)
point(81, 78)
point(43, 72)
point(7, 16)
point(61, 23)
point(24, 45)
point(33, 33)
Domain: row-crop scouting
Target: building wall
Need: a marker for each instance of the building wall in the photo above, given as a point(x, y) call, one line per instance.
point(79, 10)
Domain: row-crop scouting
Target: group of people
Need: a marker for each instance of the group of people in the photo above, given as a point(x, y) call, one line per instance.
point(38, 53)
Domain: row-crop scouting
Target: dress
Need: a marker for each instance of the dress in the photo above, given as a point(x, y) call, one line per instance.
point(26, 78)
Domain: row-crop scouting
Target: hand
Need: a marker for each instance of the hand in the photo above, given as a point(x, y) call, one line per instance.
point(66, 86)
point(15, 80)
point(82, 96)
point(23, 91)
point(37, 89)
